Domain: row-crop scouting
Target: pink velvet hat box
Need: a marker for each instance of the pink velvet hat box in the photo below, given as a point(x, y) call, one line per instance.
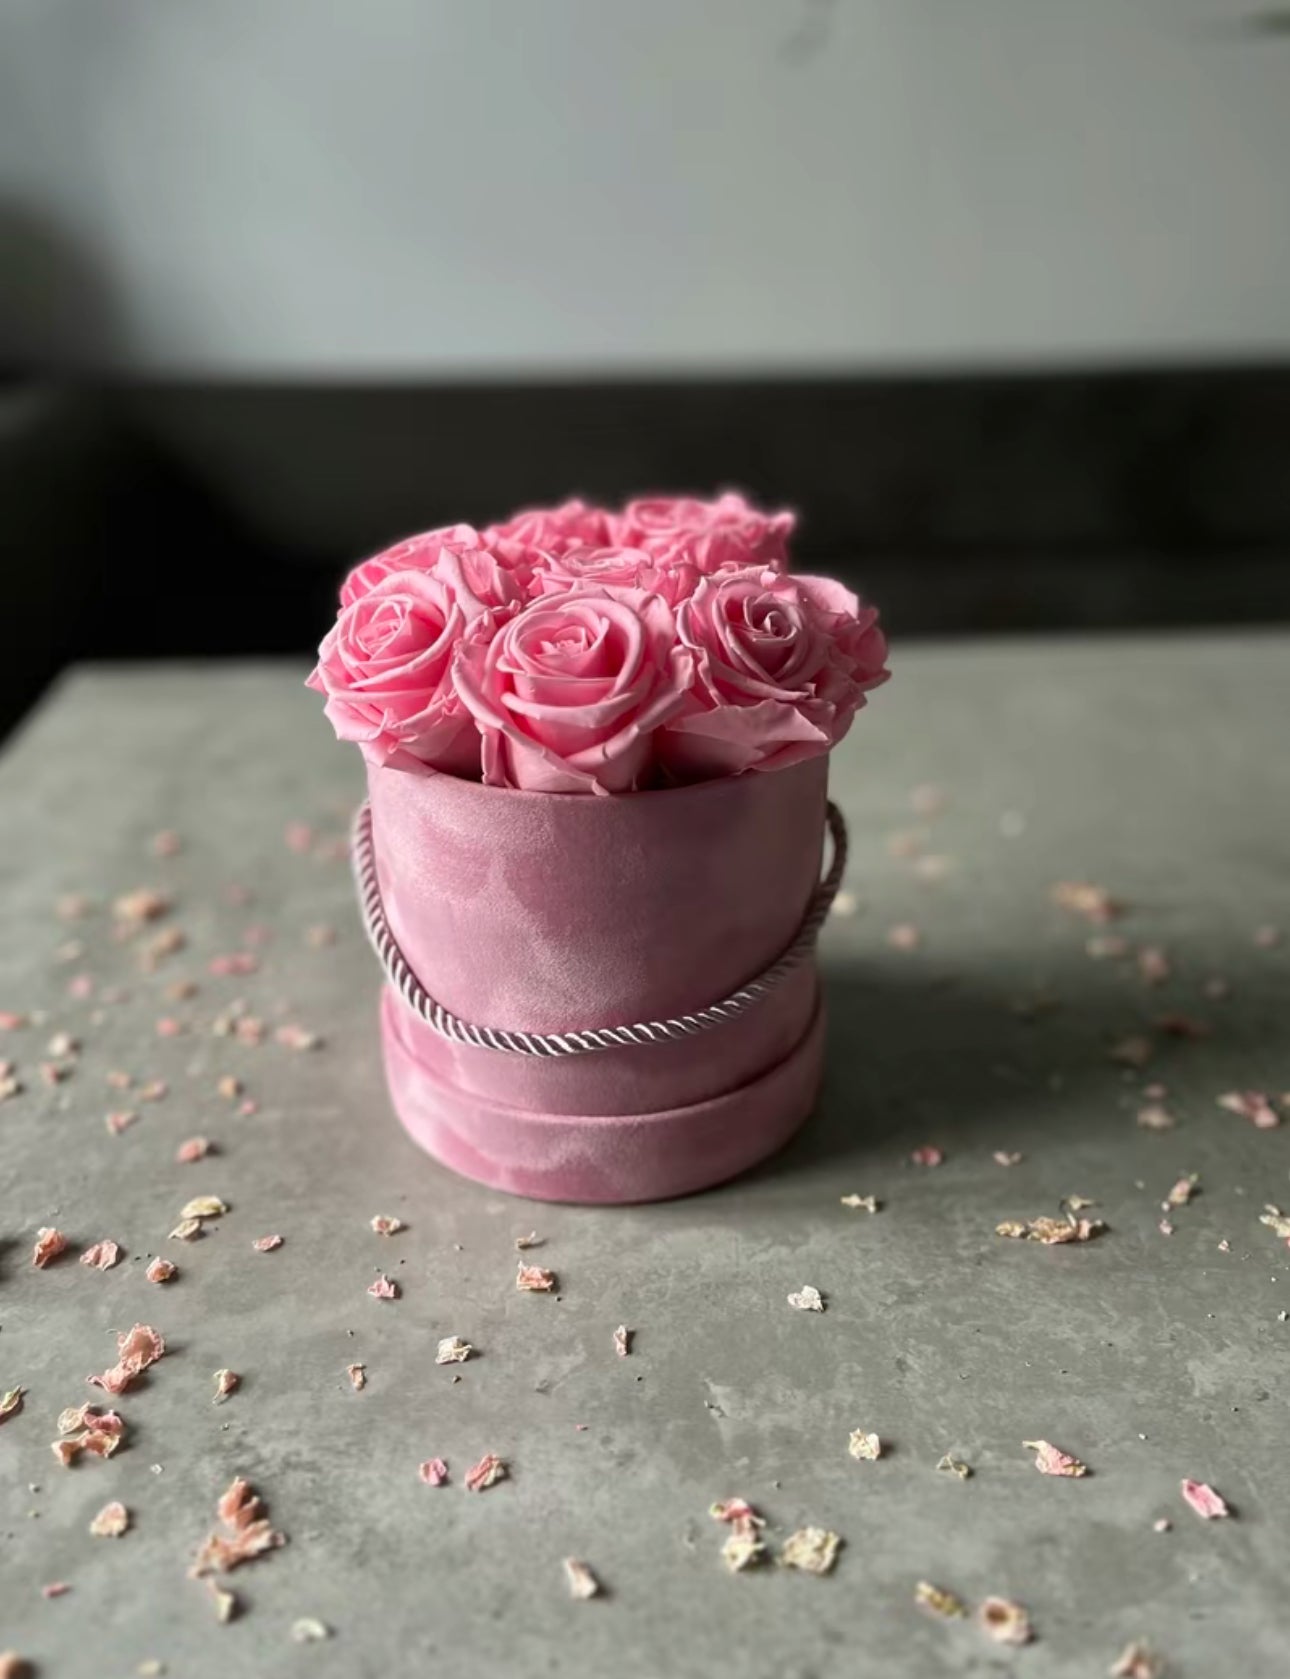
point(542, 913)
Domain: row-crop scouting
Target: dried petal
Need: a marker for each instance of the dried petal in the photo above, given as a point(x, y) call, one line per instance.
point(383, 1288)
point(532, 1240)
point(864, 1446)
point(1154, 965)
point(955, 1466)
point(226, 1603)
point(861, 1203)
point(1004, 1621)
point(196, 1148)
point(49, 1244)
point(1276, 1221)
point(266, 1244)
point(385, 1224)
point(236, 962)
point(89, 1416)
point(86, 1429)
point(1082, 898)
point(293, 1036)
point(226, 1382)
point(453, 1350)
point(111, 1522)
point(11, 1403)
point(357, 1374)
point(1001, 1157)
point(168, 942)
point(102, 1256)
point(1156, 1118)
point(582, 1582)
point(135, 1352)
point(132, 909)
point(1254, 1105)
point(927, 1155)
point(622, 1340)
point(743, 1549)
point(807, 1299)
point(1136, 1661)
point(535, 1279)
point(56, 1588)
point(812, 1549)
point(161, 1271)
point(187, 1230)
point(309, 1630)
point(248, 1533)
point(1051, 1460)
point(204, 1206)
point(434, 1472)
point(1204, 1500)
point(734, 1511)
point(486, 1473)
point(1183, 1191)
point(1052, 1231)
point(938, 1600)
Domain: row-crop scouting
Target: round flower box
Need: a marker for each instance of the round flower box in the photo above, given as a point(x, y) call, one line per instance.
point(545, 914)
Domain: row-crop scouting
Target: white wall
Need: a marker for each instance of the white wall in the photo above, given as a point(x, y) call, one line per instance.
point(421, 186)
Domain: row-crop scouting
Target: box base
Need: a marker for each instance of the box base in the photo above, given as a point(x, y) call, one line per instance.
point(622, 1158)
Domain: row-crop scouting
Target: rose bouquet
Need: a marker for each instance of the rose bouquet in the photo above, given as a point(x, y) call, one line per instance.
point(610, 998)
point(577, 650)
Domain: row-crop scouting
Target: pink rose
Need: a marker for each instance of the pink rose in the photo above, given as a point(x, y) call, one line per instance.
point(569, 693)
point(456, 553)
point(620, 568)
point(782, 665)
point(553, 530)
point(386, 669)
point(711, 534)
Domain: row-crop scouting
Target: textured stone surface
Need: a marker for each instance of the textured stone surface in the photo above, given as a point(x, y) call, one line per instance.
point(1156, 768)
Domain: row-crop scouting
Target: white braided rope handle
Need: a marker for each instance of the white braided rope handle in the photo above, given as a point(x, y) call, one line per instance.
point(398, 971)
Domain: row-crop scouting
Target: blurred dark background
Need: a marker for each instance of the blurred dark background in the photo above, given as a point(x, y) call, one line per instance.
point(995, 292)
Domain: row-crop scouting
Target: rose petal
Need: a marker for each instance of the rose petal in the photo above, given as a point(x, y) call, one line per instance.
point(1207, 1503)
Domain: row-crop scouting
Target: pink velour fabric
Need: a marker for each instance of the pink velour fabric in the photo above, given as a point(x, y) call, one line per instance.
point(549, 912)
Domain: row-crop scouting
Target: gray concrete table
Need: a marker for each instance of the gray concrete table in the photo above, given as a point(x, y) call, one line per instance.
point(1158, 769)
